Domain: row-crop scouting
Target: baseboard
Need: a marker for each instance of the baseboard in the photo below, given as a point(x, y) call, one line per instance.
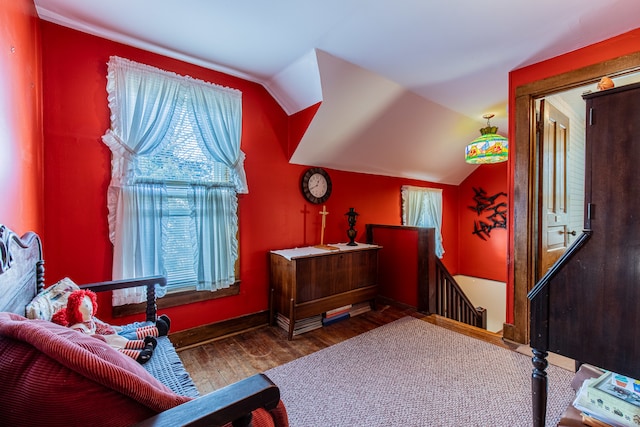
point(552, 358)
point(206, 333)
point(381, 301)
point(508, 332)
point(471, 331)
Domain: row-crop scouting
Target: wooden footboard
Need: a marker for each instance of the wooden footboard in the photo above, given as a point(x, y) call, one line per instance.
point(149, 282)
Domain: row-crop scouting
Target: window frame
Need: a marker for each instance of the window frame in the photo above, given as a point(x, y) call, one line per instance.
point(145, 130)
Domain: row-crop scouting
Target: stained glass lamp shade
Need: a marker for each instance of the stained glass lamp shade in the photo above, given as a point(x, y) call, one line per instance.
point(489, 147)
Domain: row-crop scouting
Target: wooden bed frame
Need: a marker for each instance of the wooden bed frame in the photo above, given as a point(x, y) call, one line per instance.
point(22, 277)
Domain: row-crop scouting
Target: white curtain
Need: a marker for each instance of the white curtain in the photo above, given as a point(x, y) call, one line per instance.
point(139, 257)
point(219, 122)
point(143, 100)
point(422, 207)
point(214, 234)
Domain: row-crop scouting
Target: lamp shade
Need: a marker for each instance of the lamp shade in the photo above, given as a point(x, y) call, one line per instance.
point(487, 148)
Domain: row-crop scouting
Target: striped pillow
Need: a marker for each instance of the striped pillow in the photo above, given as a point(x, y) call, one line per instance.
point(50, 300)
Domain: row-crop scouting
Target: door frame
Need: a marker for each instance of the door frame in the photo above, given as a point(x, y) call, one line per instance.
point(525, 178)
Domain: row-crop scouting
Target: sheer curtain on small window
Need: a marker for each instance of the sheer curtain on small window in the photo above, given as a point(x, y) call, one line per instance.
point(176, 169)
point(422, 207)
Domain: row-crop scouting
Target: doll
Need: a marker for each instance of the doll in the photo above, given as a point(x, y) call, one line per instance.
point(79, 314)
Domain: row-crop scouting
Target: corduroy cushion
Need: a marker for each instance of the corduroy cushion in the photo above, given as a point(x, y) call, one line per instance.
point(52, 375)
point(277, 417)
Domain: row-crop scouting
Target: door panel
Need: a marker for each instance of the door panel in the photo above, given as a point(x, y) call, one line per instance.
point(553, 215)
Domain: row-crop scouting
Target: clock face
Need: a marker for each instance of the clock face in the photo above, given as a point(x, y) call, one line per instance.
point(316, 185)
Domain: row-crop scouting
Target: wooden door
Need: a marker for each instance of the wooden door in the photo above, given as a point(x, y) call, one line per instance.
point(553, 203)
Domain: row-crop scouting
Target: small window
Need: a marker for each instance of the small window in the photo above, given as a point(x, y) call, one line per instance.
point(422, 207)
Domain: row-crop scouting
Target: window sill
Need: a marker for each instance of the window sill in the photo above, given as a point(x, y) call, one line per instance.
point(176, 299)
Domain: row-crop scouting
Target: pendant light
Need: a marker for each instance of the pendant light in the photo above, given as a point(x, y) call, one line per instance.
point(489, 147)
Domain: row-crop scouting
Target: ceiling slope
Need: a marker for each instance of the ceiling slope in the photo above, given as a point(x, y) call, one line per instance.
point(385, 121)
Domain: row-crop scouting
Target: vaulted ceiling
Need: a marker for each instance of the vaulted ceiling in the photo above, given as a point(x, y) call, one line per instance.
point(404, 84)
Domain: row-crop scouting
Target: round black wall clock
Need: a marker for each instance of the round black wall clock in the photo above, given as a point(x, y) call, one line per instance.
point(316, 185)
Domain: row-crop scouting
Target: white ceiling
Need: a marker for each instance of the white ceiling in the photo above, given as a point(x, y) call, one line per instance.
point(404, 83)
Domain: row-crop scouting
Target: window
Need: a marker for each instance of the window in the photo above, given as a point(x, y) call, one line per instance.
point(177, 168)
point(422, 207)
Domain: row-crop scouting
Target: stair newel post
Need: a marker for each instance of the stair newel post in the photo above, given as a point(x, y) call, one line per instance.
point(539, 340)
point(539, 387)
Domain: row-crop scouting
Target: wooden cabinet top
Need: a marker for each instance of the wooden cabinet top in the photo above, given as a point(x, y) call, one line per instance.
point(312, 251)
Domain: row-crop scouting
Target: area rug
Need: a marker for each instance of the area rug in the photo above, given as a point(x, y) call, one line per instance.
point(412, 373)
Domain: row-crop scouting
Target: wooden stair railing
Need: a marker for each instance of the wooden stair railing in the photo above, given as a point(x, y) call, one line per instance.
point(539, 325)
point(451, 301)
point(436, 291)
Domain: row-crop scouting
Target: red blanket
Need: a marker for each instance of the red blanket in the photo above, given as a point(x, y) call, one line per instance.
point(49, 372)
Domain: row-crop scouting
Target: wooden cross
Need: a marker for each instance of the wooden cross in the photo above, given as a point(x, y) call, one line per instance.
point(324, 214)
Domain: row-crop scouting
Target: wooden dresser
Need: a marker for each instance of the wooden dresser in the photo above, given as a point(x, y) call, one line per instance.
point(310, 281)
point(586, 305)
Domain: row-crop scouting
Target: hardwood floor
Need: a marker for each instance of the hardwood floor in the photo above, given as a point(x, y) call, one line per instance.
point(222, 362)
point(227, 360)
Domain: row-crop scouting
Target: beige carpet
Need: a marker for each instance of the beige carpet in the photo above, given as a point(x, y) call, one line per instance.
point(412, 373)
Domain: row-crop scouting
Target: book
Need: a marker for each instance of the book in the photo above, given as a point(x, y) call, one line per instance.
point(593, 421)
point(601, 399)
point(337, 311)
point(302, 325)
point(360, 308)
point(326, 321)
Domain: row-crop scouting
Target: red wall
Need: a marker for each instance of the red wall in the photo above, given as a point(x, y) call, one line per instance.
point(482, 258)
point(21, 163)
point(623, 44)
point(398, 267)
point(273, 215)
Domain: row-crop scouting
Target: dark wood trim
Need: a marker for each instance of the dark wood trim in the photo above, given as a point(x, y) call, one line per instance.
point(175, 300)
point(426, 270)
point(508, 331)
point(525, 195)
point(615, 67)
point(524, 218)
point(206, 333)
